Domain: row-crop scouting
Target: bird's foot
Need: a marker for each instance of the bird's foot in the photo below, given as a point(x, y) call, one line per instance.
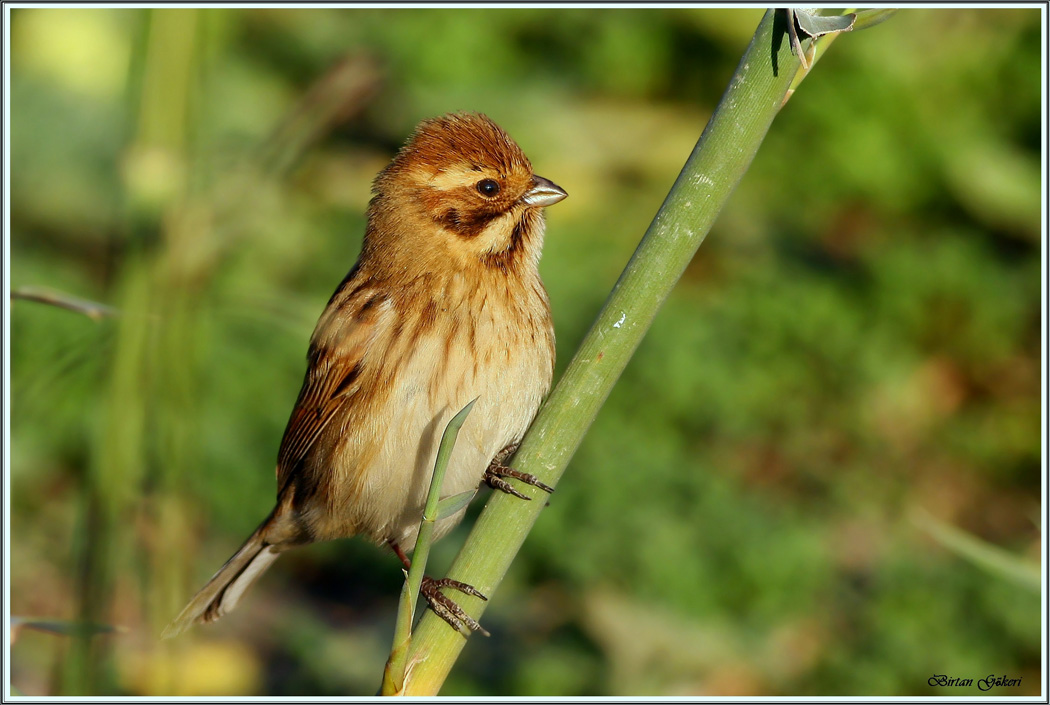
point(447, 609)
point(442, 604)
point(497, 471)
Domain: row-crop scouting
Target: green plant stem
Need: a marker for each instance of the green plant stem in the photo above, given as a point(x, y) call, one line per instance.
point(983, 554)
point(93, 310)
point(394, 675)
point(717, 163)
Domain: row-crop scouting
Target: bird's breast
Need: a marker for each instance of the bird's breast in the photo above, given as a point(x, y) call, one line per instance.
point(441, 352)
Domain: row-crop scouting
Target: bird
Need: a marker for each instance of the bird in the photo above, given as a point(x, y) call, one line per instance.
point(445, 304)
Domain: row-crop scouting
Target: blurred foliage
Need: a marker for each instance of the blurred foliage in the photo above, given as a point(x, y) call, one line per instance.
point(857, 340)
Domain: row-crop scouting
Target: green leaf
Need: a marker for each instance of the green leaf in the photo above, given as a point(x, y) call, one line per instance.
point(870, 18)
point(448, 442)
point(816, 25)
point(450, 505)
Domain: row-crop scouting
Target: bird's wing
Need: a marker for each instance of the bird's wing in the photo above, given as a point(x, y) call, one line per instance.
point(329, 384)
point(333, 379)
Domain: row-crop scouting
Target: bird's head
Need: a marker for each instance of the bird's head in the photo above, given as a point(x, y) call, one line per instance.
point(463, 190)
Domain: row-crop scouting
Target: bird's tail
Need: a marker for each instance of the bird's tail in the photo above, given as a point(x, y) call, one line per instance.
point(224, 590)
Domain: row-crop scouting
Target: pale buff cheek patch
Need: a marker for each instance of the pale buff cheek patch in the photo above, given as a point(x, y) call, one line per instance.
point(496, 237)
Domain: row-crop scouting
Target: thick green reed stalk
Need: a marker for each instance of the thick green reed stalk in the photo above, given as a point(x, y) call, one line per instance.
point(730, 141)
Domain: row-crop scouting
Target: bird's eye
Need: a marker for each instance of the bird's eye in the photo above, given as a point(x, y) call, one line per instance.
point(488, 187)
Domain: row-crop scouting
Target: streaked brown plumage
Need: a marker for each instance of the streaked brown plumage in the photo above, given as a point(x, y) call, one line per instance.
point(445, 304)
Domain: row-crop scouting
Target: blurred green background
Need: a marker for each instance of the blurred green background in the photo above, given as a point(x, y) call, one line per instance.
point(820, 475)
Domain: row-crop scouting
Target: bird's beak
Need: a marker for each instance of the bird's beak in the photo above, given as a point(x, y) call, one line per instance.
point(543, 193)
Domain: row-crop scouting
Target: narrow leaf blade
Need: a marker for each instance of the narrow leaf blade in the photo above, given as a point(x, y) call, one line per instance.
point(816, 25)
point(870, 18)
point(448, 442)
point(450, 505)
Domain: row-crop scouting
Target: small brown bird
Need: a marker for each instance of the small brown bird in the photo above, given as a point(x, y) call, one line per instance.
point(445, 304)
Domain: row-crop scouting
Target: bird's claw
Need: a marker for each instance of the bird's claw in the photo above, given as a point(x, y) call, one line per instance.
point(447, 609)
point(496, 471)
point(494, 477)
